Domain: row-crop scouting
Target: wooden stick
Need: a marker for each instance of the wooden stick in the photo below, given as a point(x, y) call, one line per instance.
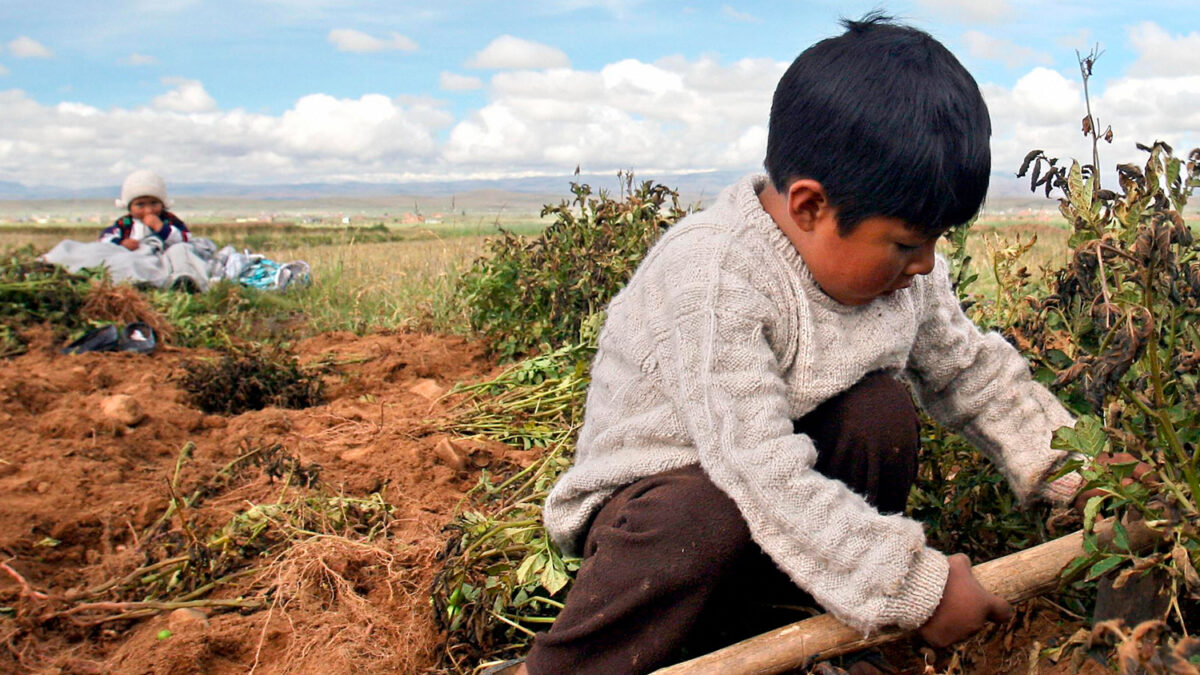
point(1016, 577)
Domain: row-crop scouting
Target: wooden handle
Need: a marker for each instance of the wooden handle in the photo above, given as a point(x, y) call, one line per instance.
point(1016, 577)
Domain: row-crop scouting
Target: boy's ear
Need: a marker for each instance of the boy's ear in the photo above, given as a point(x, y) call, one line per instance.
point(807, 203)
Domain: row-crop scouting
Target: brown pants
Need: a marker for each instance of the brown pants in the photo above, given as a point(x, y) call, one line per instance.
point(670, 571)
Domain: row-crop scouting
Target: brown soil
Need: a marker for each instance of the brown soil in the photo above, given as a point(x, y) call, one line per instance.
point(78, 489)
point(81, 490)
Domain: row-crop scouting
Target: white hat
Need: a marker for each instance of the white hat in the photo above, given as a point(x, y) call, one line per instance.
point(142, 183)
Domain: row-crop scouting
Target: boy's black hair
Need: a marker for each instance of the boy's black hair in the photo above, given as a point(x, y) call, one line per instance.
point(889, 122)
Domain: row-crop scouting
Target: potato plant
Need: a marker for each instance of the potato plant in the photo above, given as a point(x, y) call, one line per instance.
point(1119, 327)
point(532, 294)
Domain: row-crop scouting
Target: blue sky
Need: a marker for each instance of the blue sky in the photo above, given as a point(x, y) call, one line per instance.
point(280, 91)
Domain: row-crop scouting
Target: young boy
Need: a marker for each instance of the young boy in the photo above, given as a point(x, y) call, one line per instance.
point(746, 436)
point(144, 193)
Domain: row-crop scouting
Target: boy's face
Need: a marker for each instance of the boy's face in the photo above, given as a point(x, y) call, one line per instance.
point(880, 256)
point(145, 206)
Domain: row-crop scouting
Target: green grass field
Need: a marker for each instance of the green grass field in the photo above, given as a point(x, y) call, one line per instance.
point(380, 276)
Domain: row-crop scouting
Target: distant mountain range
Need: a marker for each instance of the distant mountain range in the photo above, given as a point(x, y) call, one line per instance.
point(709, 183)
point(692, 186)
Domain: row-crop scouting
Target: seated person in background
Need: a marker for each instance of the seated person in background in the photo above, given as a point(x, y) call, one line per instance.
point(144, 193)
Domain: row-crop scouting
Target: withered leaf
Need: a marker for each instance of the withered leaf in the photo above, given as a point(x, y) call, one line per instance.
point(1180, 233)
point(1123, 578)
point(1105, 313)
point(1108, 633)
point(1029, 157)
point(1070, 374)
point(1143, 245)
point(1146, 636)
point(1183, 563)
point(1127, 658)
point(1187, 647)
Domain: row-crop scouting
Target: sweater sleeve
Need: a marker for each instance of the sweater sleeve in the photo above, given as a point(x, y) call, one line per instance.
point(714, 357)
point(173, 230)
point(112, 233)
point(980, 385)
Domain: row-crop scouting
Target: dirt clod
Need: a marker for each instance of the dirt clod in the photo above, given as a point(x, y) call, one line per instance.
point(450, 455)
point(428, 389)
point(187, 619)
point(356, 454)
point(122, 409)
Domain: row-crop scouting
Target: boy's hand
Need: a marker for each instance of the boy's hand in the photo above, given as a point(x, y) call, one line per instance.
point(131, 244)
point(1139, 471)
point(153, 222)
point(966, 606)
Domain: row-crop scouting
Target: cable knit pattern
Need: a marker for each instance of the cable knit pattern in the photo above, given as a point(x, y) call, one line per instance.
point(722, 338)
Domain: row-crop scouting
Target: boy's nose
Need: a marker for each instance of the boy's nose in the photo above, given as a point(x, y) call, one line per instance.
point(922, 261)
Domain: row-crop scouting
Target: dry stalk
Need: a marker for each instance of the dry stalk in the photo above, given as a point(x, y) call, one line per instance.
point(311, 575)
point(26, 590)
point(134, 610)
point(124, 304)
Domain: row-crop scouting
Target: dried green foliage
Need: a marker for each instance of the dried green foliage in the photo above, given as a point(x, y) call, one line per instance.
point(1120, 329)
point(530, 295)
point(33, 292)
point(251, 378)
point(1114, 332)
point(1146, 649)
point(502, 578)
point(536, 403)
point(185, 558)
point(966, 504)
point(188, 561)
point(227, 310)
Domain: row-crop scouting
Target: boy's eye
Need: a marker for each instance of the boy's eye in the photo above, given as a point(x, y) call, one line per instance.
point(906, 248)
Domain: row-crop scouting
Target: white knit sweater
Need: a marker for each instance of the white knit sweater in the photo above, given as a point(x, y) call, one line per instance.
point(722, 338)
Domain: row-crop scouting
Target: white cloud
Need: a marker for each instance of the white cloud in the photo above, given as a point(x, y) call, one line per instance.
point(1160, 53)
point(320, 138)
point(3, 71)
point(670, 115)
point(350, 40)
point(136, 59)
point(1146, 109)
point(1045, 108)
point(508, 52)
point(367, 128)
point(188, 96)
point(975, 11)
point(673, 114)
point(983, 46)
point(1157, 99)
point(25, 47)
point(455, 82)
point(739, 16)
